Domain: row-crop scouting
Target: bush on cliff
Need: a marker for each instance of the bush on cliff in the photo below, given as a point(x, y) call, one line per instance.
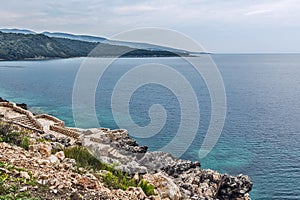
point(117, 180)
point(84, 158)
point(113, 178)
point(146, 187)
point(10, 185)
point(9, 135)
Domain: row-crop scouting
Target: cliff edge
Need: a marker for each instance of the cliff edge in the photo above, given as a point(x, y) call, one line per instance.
point(44, 167)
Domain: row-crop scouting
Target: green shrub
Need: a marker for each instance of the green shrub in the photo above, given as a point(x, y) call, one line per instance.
point(42, 140)
point(83, 157)
point(25, 143)
point(7, 133)
point(146, 187)
point(117, 180)
point(10, 185)
point(11, 136)
point(113, 178)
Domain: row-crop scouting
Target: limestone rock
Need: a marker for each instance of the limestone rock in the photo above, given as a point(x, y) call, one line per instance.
point(164, 185)
point(60, 155)
point(24, 175)
point(43, 148)
point(137, 192)
point(88, 183)
point(235, 187)
point(23, 189)
point(53, 159)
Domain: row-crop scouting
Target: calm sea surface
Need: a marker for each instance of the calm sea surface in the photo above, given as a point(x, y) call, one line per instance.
point(261, 136)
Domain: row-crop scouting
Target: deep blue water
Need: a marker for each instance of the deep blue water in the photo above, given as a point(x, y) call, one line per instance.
point(261, 134)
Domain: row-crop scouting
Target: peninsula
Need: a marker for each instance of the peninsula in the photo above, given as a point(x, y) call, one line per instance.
point(21, 46)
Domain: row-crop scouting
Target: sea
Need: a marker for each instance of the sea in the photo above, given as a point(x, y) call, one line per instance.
point(261, 132)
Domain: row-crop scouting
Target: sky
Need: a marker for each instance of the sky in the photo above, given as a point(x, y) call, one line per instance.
point(220, 26)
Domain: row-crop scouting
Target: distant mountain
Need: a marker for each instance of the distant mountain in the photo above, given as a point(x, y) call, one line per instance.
point(16, 46)
point(135, 45)
point(14, 30)
point(19, 46)
point(85, 38)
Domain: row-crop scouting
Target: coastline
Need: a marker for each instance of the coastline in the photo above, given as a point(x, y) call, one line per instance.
point(55, 58)
point(185, 179)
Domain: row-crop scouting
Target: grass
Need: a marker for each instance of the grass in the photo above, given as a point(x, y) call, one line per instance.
point(146, 187)
point(113, 178)
point(11, 136)
point(85, 159)
point(118, 180)
point(25, 143)
point(10, 185)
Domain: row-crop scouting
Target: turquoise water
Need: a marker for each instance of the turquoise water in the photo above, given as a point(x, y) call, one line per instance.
point(261, 134)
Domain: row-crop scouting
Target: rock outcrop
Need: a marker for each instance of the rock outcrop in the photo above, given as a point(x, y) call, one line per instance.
point(60, 177)
point(172, 178)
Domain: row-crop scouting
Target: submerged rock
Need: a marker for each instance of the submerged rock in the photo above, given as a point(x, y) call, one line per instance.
point(235, 187)
point(22, 105)
point(3, 100)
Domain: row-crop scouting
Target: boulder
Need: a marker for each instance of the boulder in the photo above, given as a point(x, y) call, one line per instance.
point(60, 155)
point(164, 185)
point(3, 100)
point(22, 105)
point(53, 159)
point(24, 175)
point(43, 148)
point(136, 192)
point(88, 183)
point(235, 187)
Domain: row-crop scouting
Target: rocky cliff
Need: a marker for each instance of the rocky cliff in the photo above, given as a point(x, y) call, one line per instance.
point(185, 178)
point(47, 173)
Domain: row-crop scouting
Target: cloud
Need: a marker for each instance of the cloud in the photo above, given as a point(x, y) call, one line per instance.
point(134, 9)
point(257, 12)
point(202, 19)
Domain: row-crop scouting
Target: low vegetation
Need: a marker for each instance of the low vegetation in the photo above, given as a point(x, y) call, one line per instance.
point(146, 187)
point(11, 184)
point(113, 178)
point(9, 135)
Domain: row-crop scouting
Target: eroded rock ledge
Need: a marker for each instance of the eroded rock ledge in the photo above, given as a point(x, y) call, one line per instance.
point(179, 179)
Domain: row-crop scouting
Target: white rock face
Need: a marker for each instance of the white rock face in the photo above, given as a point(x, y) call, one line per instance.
point(53, 159)
point(164, 185)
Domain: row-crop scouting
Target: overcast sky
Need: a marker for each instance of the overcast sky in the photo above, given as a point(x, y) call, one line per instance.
point(221, 26)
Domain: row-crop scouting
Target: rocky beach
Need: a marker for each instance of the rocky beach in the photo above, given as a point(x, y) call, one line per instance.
point(47, 172)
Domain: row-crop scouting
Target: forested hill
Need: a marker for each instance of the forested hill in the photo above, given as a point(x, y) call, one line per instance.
point(16, 46)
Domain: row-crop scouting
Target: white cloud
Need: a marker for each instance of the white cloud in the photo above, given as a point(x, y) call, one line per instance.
point(258, 12)
point(194, 17)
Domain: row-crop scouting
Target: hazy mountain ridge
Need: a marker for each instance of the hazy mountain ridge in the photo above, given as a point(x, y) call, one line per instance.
point(88, 38)
point(85, 38)
point(19, 46)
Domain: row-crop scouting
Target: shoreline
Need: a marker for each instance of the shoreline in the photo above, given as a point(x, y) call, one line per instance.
point(56, 58)
point(116, 146)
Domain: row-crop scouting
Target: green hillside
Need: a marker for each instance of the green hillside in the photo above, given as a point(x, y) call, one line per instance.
point(16, 46)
